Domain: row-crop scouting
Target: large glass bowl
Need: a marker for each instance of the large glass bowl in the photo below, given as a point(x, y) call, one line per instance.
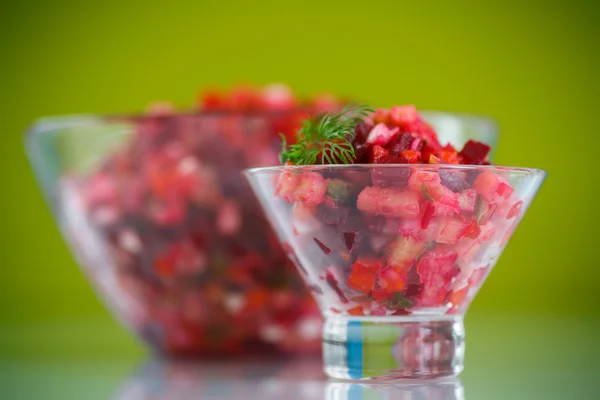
point(170, 235)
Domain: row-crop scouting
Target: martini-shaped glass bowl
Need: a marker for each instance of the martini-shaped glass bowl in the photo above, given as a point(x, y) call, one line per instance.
point(394, 255)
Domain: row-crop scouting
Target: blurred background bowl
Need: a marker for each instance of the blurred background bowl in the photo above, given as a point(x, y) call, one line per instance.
point(155, 212)
point(158, 216)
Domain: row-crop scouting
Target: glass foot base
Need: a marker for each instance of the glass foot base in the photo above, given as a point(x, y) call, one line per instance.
point(391, 348)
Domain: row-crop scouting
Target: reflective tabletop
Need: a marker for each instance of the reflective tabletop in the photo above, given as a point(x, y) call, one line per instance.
point(508, 357)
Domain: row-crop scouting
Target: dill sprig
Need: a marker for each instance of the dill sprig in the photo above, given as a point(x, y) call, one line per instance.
point(327, 141)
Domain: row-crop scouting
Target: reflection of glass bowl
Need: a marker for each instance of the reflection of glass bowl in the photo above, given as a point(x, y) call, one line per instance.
point(436, 389)
point(394, 254)
point(300, 379)
point(169, 233)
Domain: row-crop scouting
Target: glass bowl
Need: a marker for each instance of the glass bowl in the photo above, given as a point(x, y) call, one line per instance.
point(394, 255)
point(167, 231)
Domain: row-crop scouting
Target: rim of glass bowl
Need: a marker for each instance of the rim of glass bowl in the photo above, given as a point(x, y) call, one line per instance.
point(321, 167)
point(47, 123)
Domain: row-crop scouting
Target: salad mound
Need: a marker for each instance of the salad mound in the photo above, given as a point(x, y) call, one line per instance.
point(187, 258)
point(398, 135)
point(413, 238)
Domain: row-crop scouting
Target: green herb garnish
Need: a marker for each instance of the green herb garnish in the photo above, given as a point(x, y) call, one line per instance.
point(426, 194)
point(397, 301)
point(326, 142)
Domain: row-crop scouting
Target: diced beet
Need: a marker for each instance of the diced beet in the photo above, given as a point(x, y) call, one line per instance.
point(436, 269)
point(475, 152)
point(402, 142)
point(349, 238)
point(361, 132)
point(381, 135)
point(453, 181)
point(414, 287)
point(362, 153)
point(427, 215)
point(426, 152)
point(325, 249)
point(333, 283)
point(379, 155)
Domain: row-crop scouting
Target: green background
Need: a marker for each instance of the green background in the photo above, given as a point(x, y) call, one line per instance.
point(531, 65)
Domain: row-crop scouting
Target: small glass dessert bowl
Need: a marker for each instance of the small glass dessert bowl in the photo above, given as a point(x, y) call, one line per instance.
point(394, 254)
